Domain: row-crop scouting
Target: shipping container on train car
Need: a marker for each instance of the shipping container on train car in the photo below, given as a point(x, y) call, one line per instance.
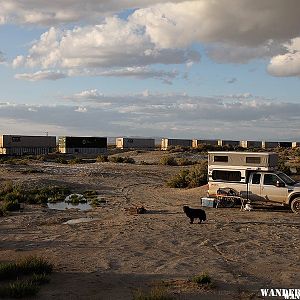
point(82, 145)
point(228, 143)
point(285, 144)
point(166, 143)
point(135, 143)
point(27, 144)
point(197, 143)
point(269, 145)
point(251, 144)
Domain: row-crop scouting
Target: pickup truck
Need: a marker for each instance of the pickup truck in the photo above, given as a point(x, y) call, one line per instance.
point(260, 182)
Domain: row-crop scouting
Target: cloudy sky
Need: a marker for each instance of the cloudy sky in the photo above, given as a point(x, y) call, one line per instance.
point(188, 69)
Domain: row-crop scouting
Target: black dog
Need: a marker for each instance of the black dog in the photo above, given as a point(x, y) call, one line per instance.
point(193, 213)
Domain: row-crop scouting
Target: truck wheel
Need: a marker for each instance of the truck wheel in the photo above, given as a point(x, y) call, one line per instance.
point(295, 205)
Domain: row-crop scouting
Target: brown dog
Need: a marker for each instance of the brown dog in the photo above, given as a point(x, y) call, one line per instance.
point(195, 213)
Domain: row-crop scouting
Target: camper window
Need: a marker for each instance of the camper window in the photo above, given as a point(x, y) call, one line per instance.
point(252, 160)
point(220, 158)
point(226, 175)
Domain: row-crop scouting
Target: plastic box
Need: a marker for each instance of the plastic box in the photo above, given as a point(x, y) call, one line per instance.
point(208, 202)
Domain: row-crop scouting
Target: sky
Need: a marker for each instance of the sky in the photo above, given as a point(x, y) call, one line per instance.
point(205, 69)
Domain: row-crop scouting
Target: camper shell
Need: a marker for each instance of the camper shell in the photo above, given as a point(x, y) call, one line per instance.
point(243, 160)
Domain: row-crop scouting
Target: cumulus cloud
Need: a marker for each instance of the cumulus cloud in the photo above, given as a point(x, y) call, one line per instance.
point(115, 43)
point(41, 75)
point(287, 64)
point(158, 32)
point(237, 22)
point(44, 12)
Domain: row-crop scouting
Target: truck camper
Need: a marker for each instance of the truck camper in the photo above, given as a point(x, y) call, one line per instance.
point(254, 176)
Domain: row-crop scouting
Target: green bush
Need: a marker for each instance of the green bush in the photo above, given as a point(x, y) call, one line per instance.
point(184, 162)
point(116, 159)
point(11, 193)
point(75, 161)
point(11, 205)
point(179, 180)
point(202, 279)
point(61, 160)
point(168, 161)
point(28, 265)
point(102, 158)
point(39, 279)
point(120, 159)
point(128, 160)
point(19, 289)
point(194, 177)
point(154, 294)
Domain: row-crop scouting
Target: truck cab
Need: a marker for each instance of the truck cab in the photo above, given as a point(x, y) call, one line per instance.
point(254, 177)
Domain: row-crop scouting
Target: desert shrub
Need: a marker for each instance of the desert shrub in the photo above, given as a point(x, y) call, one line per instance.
point(90, 194)
point(61, 160)
point(168, 161)
point(116, 159)
point(174, 149)
point(19, 289)
point(11, 205)
point(194, 177)
point(75, 199)
point(154, 294)
point(282, 166)
point(102, 158)
point(197, 176)
point(129, 160)
point(179, 180)
point(39, 279)
point(202, 279)
point(10, 193)
point(120, 159)
point(28, 265)
point(6, 187)
point(2, 212)
point(184, 162)
point(75, 161)
point(16, 161)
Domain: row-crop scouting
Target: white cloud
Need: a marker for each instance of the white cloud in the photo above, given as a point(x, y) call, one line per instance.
point(81, 109)
point(235, 22)
point(287, 64)
point(157, 32)
point(173, 115)
point(115, 43)
point(41, 75)
point(44, 12)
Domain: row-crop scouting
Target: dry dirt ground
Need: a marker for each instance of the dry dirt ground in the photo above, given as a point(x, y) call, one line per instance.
point(118, 253)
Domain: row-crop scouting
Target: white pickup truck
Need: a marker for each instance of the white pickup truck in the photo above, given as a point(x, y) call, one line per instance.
point(253, 176)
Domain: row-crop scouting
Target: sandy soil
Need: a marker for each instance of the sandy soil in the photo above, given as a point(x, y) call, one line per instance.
point(118, 252)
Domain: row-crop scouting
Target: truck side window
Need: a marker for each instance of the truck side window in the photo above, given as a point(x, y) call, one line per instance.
point(270, 179)
point(256, 178)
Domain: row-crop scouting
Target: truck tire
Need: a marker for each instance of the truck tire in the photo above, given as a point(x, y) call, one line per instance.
point(295, 205)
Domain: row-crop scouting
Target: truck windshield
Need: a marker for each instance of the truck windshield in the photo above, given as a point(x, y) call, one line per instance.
point(288, 180)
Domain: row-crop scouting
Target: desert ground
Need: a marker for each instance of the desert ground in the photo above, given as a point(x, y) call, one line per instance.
point(118, 252)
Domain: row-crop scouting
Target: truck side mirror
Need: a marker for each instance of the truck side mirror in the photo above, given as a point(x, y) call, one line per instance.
point(279, 184)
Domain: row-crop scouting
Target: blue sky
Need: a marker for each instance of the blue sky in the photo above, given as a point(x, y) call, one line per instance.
point(188, 69)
